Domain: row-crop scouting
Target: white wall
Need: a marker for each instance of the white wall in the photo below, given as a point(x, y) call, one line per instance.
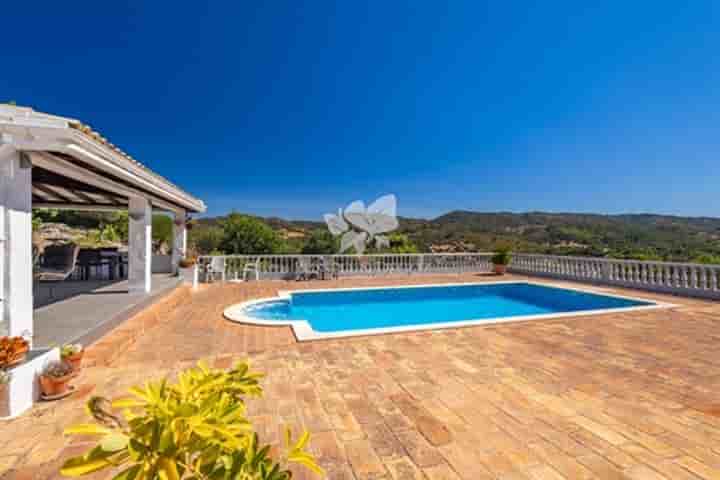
point(162, 264)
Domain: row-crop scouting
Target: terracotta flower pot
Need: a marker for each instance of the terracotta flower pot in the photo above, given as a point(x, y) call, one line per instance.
point(52, 386)
point(75, 360)
point(13, 351)
point(499, 269)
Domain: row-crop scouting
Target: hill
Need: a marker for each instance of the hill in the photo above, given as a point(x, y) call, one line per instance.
point(639, 236)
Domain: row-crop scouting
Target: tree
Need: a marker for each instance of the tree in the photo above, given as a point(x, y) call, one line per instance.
point(206, 240)
point(399, 243)
point(247, 235)
point(162, 229)
point(321, 241)
point(120, 222)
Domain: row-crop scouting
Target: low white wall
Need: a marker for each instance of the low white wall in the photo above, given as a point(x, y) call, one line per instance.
point(161, 264)
point(24, 388)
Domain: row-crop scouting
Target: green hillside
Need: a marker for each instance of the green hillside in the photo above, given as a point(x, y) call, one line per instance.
point(639, 236)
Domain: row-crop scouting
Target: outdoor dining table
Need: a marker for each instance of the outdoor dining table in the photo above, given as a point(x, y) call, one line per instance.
point(116, 263)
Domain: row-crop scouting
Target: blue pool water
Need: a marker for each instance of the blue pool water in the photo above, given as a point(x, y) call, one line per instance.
point(336, 311)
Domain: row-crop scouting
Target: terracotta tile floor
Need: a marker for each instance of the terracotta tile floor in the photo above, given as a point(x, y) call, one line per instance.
point(634, 395)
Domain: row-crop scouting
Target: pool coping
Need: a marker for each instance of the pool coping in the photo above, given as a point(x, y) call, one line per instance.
point(303, 331)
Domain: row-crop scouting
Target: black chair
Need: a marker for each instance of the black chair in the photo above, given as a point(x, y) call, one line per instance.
point(114, 260)
point(91, 259)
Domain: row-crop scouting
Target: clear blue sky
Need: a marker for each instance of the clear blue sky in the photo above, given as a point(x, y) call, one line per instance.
point(296, 108)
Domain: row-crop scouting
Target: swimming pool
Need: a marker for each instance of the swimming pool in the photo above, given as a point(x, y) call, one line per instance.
point(362, 311)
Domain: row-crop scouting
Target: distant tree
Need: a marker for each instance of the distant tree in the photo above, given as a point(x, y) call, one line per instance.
point(246, 235)
point(162, 229)
point(206, 240)
point(119, 221)
point(401, 243)
point(321, 242)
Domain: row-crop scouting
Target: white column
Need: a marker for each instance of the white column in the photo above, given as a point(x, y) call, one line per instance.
point(140, 245)
point(16, 296)
point(179, 247)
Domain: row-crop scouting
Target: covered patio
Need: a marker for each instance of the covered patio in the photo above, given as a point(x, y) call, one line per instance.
point(47, 161)
point(94, 310)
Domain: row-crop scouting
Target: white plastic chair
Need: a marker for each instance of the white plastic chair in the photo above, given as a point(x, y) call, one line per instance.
point(215, 267)
point(251, 267)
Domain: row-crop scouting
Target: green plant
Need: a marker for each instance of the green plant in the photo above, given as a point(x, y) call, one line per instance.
point(108, 234)
point(70, 349)
point(501, 257)
point(249, 236)
point(195, 428)
point(187, 262)
point(401, 243)
point(162, 229)
point(321, 242)
point(206, 239)
point(57, 370)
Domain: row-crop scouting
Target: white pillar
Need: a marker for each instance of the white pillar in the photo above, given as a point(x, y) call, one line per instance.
point(179, 247)
point(140, 245)
point(16, 307)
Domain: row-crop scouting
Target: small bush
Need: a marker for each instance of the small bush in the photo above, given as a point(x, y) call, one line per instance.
point(195, 428)
point(70, 349)
point(187, 262)
point(501, 257)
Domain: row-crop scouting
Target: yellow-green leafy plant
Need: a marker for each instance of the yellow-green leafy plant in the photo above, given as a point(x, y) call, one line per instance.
point(195, 428)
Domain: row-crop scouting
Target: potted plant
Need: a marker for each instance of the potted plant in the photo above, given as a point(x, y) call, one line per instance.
point(187, 270)
point(500, 260)
point(54, 379)
point(5, 377)
point(72, 353)
point(12, 350)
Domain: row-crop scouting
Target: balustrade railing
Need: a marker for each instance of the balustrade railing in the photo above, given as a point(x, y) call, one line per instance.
point(230, 267)
point(680, 278)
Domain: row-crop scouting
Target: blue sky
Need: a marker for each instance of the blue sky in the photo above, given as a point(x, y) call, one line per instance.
point(294, 109)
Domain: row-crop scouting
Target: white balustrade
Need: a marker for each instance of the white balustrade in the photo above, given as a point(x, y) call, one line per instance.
point(679, 278)
point(288, 266)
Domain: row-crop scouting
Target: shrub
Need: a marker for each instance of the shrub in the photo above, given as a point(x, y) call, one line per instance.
point(195, 428)
point(321, 242)
point(501, 257)
point(187, 262)
point(162, 229)
point(249, 236)
point(207, 239)
point(70, 349)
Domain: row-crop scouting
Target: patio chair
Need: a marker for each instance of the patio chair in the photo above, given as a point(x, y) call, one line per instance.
point(328, 267)
point(214, 268)
point(251, 267)
point(305, 270)
point(91, 260)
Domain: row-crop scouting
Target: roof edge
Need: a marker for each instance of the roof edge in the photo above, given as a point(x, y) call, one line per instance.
point(32, 125)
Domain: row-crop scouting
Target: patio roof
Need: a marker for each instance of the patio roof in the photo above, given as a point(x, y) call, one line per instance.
point(75, 167)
